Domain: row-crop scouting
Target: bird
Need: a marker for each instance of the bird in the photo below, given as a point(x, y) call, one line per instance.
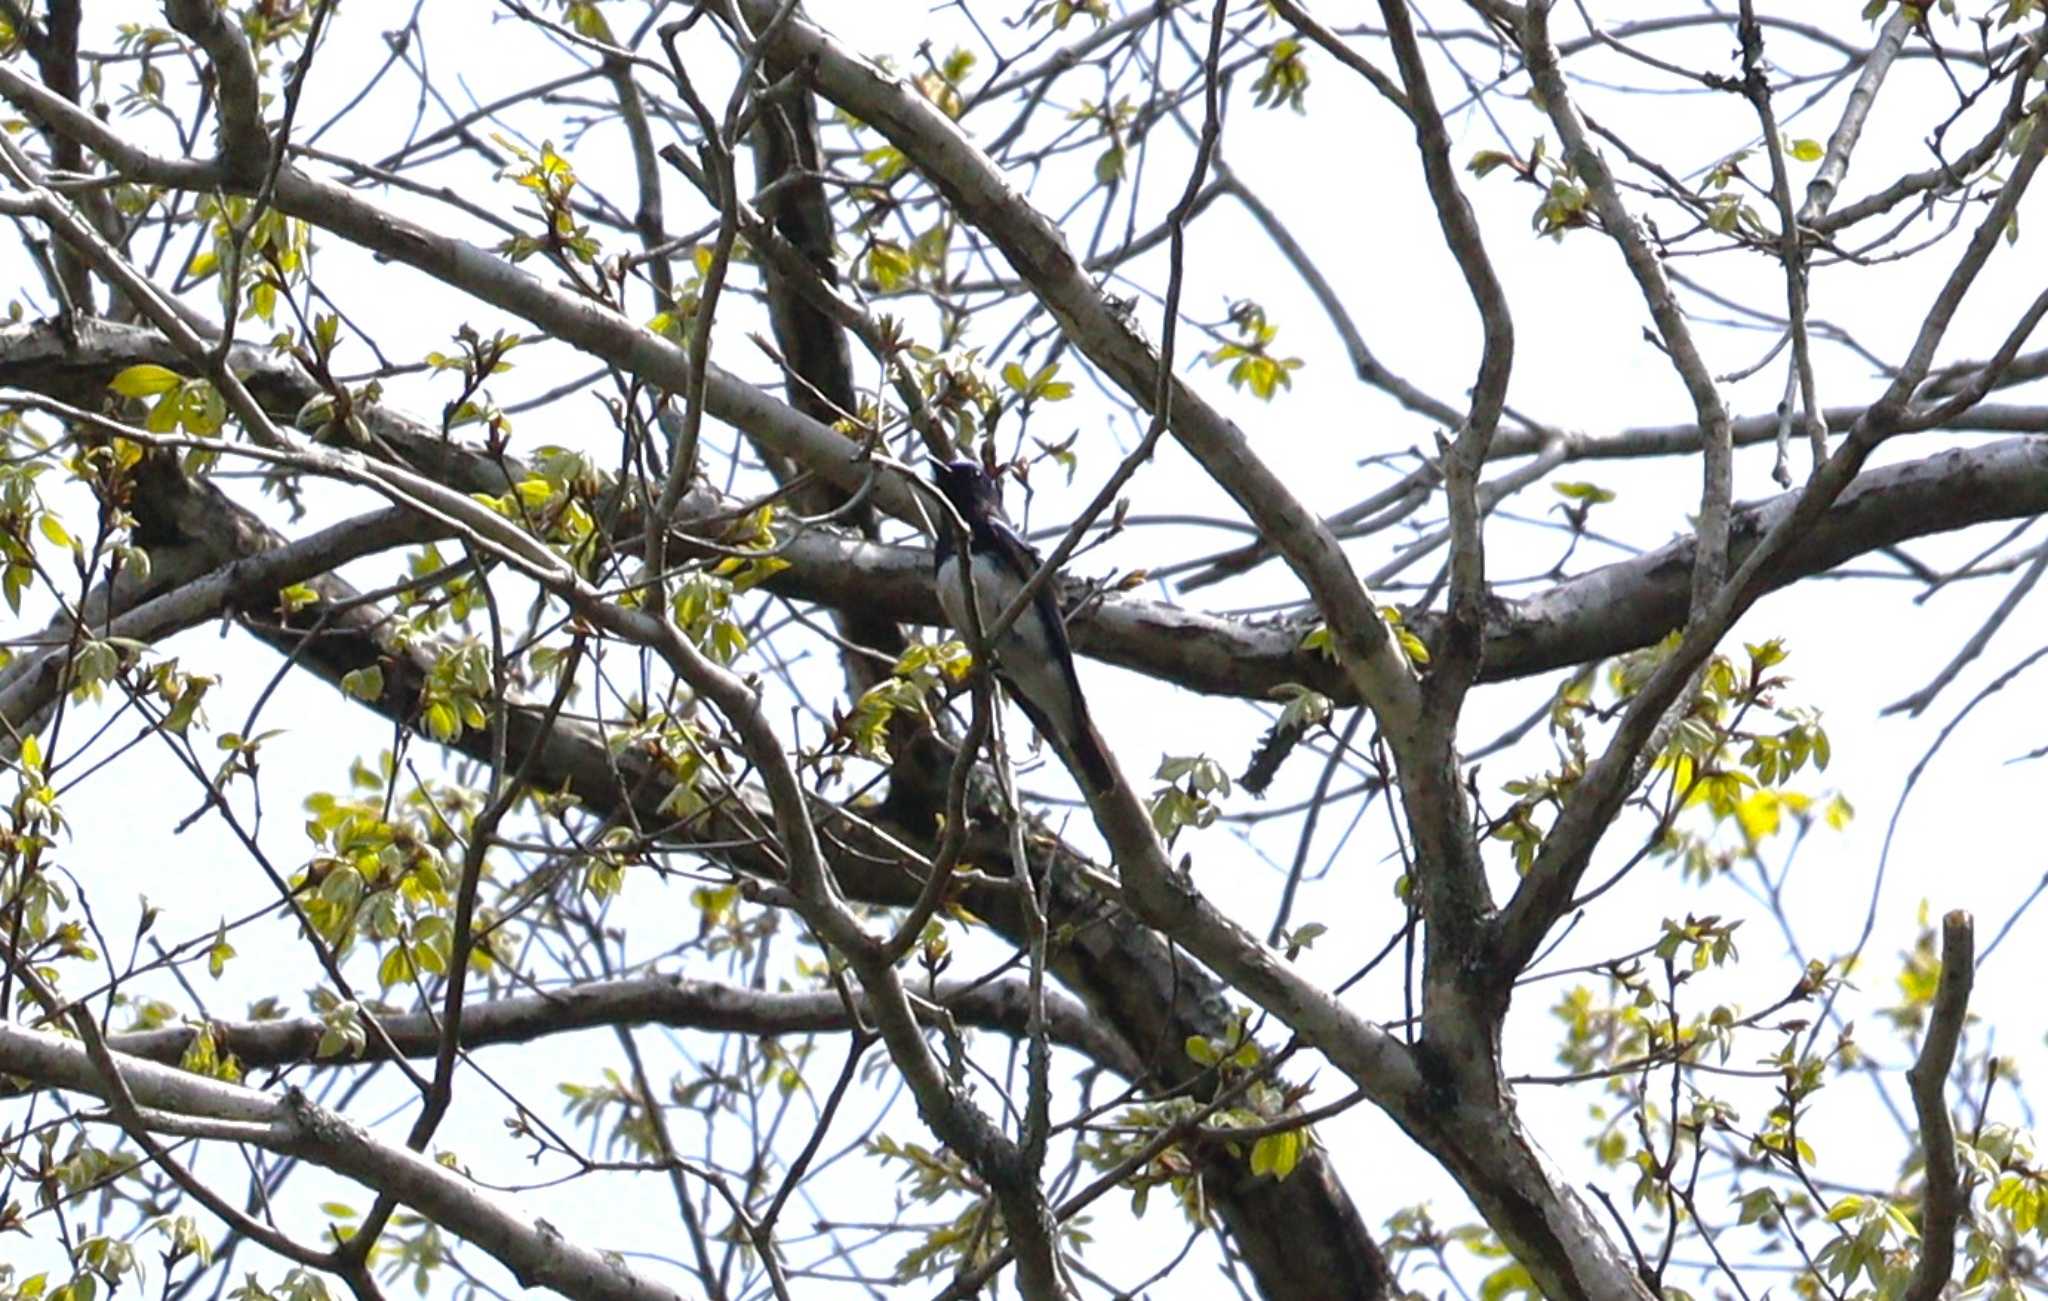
point(1032, 657)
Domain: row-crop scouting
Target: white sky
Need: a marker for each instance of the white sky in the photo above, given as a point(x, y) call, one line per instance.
point(1346, 181)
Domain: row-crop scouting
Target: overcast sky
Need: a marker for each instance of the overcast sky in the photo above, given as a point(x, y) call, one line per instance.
point(1345, 179)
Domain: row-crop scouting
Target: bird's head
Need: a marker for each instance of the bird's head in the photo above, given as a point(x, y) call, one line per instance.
point(969, 488)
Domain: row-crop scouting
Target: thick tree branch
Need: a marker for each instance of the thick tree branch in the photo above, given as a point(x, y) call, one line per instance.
point(672, 1001)
point(1598, 613)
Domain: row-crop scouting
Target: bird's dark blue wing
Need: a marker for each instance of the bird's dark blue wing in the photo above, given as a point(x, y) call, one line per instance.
point(1032, 656)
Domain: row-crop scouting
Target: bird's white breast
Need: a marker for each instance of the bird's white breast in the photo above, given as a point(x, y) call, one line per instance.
point(1024, 655)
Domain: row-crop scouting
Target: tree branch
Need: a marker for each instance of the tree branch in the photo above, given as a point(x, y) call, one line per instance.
point(672, 1001)
point(1946, 1196)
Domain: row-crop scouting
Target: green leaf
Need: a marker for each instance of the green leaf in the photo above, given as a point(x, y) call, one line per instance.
point(1486, 160)
point(1807, 151)
point(364, 684)
point(1303, 937)
point(890, 265)
point(187, 706)
point(1509, 1280)
point(53, 529)
point(1278, 1154)
point(588, 21)
point(217, 956)
point(1590, 493)
point(442, 722)
point(144, 381)
point(1285, 78)
point(396, 967)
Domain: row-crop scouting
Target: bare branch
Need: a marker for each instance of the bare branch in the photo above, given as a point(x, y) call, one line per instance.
point(1946, 1197)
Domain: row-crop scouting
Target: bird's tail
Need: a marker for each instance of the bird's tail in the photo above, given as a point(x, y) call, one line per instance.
point(1079, 745)
point(1091, 756)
